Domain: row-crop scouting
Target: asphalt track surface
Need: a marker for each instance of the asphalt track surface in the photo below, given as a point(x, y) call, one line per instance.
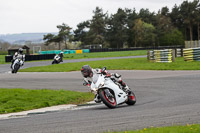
point(164, 98)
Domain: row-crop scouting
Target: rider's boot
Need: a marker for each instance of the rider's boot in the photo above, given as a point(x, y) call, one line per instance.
point(124, 86)
point(126, 89)
point(97, 98)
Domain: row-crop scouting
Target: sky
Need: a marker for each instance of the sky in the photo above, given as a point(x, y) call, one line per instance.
point(36, 16)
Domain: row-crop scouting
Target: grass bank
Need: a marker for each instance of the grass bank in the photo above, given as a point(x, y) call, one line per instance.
point(119, 64)
point(2, 59)
point(93, 55)
point(105, 54)
point(194, 128)
point(16, 100)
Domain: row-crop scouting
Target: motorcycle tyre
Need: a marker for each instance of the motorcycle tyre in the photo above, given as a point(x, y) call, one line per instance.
point(53, 62)
point(106, 100)
point(131, 99)
point(16, 68)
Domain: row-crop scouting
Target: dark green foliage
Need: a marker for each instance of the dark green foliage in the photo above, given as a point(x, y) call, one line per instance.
point(64, 34)
point(155, 29)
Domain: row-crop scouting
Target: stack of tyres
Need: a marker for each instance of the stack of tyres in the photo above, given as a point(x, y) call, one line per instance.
point(151, 56)
point(191, 54)
point(163, 55)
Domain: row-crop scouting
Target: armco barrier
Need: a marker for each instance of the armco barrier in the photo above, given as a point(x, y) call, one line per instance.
point(79, 51)
point(191, 54)
point(50, 52)
point(86, 50)
point(166, 55)
point(72, 51)
point(32, 57)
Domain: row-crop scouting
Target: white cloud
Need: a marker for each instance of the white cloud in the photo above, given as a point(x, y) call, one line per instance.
point(23, 16)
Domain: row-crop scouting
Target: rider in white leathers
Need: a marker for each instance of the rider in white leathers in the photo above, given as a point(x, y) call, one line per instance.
point(91, 75)
point(18, 55)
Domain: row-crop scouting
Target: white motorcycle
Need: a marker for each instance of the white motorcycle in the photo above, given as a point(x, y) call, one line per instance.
point(16, 65)
point(111, 93)
point(57, 59)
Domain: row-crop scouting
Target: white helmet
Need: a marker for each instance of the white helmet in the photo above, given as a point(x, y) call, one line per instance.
point(20, 50)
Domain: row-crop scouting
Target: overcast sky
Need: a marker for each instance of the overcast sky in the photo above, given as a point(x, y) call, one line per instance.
point(30, 16)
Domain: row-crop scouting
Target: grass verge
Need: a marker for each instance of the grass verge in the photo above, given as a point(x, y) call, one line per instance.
point(2, 59)
point(93, 55)
point(105, 54)
point(119, 64)
point(194, 128)
point(15, 100)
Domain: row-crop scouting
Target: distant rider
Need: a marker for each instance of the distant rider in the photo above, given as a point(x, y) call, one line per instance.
point(91, 75)
point(61, 56)
point(18, 55)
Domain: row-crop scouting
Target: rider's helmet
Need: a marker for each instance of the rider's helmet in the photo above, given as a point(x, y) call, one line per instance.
point(20, 50)
point(86, 71)
point(61, 54)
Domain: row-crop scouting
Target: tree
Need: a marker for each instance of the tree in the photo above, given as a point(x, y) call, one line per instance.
point(189, 13)
point(144, 33)
point(138, 30)
point(175, 37)
point(147, 16)
point(64, 34)
point(117, 29)
point(131, 16)
point(96, 33)
point(48, 38)
point(149, 35)
point(80, 34)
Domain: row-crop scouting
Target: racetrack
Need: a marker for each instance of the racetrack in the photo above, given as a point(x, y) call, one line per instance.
point(163, 98)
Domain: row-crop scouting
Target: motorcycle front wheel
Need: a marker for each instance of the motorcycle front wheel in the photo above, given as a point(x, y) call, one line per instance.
point(131, 98)
point(16, 68)
point(53, 62)
point(109, 101)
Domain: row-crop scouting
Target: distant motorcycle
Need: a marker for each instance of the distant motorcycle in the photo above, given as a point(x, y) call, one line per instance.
point(57, 59)
point(16, 65)
point(112, 93)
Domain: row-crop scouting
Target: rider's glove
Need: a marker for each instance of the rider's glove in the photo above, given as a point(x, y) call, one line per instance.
point(87, 83)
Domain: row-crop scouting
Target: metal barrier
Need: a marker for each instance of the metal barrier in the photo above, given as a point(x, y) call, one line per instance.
point(166, 55)
point(191, 54)
point(32, 57)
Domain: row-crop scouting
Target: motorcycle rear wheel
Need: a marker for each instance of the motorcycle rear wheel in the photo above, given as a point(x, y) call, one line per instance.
point(110, 102)
point(131, 99)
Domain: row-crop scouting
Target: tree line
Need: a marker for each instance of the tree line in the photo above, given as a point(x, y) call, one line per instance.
point(128, 28)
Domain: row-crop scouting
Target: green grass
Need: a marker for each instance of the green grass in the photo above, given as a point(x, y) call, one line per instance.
point(15, 100)
point(105, 54)
point(2, 59)
point(93, 55)
point(194, 128)
point(119, 64)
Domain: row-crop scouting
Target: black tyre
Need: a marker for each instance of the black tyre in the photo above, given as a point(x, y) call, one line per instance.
point(16, 68)
point(53, 62)
point(13, 71)
point(110, 102)
point(131, 99)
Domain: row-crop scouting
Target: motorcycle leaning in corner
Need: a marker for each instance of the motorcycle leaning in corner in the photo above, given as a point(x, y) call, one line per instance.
point(111, 92)
point(58, 58)
point(16, 65)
